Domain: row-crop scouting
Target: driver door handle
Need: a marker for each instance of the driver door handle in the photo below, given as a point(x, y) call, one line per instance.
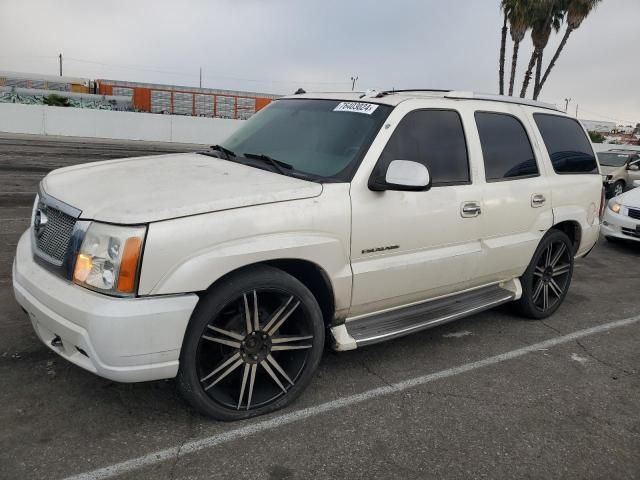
point(470, 209)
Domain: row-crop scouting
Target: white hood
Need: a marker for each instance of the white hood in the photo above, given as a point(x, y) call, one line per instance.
point(148, 189)
point(630, 198)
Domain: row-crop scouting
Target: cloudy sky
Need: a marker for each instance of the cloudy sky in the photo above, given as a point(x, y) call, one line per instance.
point(278, 45)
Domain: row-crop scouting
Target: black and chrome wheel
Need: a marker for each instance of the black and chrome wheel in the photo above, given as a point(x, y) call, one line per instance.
point(546, 281)
point(252, 345)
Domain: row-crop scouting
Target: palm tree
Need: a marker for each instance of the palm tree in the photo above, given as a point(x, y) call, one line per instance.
point(545, 16)
point(518, 12)
point(577, 11)
point(503, 43)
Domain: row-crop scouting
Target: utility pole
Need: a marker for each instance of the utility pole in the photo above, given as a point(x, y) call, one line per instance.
point(353, 83)
point(200, 77)
point(60, 61)
point(577, 105)
point(566, 104)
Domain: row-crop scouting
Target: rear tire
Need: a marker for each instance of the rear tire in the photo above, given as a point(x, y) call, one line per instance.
point(547, 279)
point(252, 345)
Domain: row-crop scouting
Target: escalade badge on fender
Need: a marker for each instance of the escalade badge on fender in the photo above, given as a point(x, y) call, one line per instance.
point(380, 249)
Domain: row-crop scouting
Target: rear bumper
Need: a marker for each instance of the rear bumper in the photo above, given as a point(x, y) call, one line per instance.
point(589, 239)
point(123, 339)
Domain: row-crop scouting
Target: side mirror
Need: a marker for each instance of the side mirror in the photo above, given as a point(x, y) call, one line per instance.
point(402, 175)
point(633, 167)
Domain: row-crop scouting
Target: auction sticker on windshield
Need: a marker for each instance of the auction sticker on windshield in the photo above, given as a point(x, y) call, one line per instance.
point(357, 107)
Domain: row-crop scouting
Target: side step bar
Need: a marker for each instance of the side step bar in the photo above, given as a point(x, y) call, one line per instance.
point(403, 321)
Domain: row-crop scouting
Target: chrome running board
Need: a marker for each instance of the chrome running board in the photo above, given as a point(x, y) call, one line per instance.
point(396, 323)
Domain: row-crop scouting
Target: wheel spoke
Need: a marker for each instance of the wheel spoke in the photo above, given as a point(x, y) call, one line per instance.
point(279, 323)
point(231, 359)
point(266, 366)
point(555, 287)
point(558, 254)
point(228, 333)
point(279, 348)
point(561, 270)
point(247, 367)
point(225, 373)
point(280, 370)
point(256, 319)
point(252, 379)
point(247, 314)
point(276, 315)
point(223, 341)
point(548, 256)
point(289, 338)
point(545, 297)
point(536, 292)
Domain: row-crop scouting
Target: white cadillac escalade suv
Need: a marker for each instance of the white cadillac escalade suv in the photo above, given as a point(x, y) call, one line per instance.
point(354, 218)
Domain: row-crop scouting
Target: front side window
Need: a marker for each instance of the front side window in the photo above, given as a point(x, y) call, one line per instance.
point(506, 148)
point(321, 138)
point(434, 138)
point(567, 144)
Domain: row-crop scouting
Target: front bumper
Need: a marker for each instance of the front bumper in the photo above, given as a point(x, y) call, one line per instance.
point(123, 339)
point(620, 226)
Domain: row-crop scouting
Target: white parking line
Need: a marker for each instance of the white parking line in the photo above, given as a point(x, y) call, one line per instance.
point(302, 414)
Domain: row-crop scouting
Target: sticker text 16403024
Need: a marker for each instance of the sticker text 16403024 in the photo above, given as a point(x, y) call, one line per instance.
point(357, 107)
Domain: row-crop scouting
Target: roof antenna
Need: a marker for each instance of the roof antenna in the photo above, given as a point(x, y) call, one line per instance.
point(299, 91)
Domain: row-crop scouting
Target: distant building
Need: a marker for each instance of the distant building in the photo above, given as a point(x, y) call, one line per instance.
point(599, 126)
point(184, 100)
point(143, 97)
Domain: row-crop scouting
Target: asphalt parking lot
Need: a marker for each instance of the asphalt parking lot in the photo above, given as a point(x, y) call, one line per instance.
point(492, 396)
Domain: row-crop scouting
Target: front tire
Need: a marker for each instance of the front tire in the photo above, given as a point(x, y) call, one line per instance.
point(617, 188)
point(252, 345)
point(546, 281)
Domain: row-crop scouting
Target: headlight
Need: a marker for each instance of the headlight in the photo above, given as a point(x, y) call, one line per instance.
point(109, 258)
point(614, 206)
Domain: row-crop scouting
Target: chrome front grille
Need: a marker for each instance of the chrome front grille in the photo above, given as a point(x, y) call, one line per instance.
point(53, 238)
point(52, 229)
point(634, 213)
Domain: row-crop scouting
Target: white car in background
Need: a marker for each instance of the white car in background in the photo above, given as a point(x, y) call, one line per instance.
point(622, 218)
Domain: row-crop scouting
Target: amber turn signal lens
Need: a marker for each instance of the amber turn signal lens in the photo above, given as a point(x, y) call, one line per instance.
point(84, 263)
point(129, 265)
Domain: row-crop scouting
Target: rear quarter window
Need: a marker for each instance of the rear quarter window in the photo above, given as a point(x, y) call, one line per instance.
point(567, 144)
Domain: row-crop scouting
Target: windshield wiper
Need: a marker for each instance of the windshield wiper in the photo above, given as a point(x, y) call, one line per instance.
point(227, 154)
point(277, 164)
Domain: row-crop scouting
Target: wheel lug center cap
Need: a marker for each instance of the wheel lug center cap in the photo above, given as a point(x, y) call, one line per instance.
point(256, 346)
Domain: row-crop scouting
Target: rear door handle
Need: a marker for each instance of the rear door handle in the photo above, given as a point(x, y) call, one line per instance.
point(470, 209)
point(537, 200)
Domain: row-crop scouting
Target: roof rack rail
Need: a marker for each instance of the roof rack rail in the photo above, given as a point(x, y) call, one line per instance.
point(405, 90)
point(501, 98)
point(457, 94)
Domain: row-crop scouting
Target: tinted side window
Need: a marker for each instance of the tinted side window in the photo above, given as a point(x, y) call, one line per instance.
point(434, 138)
point(506, 148)
point(567, 144)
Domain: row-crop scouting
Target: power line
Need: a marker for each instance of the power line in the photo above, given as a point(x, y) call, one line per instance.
point(192, 75)
point(617, 120)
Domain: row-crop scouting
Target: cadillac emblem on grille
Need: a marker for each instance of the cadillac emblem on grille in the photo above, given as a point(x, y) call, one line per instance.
point(40, 221)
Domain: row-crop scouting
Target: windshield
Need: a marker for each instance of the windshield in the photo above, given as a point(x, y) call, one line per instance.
point(322, 138)
point(612, 159)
